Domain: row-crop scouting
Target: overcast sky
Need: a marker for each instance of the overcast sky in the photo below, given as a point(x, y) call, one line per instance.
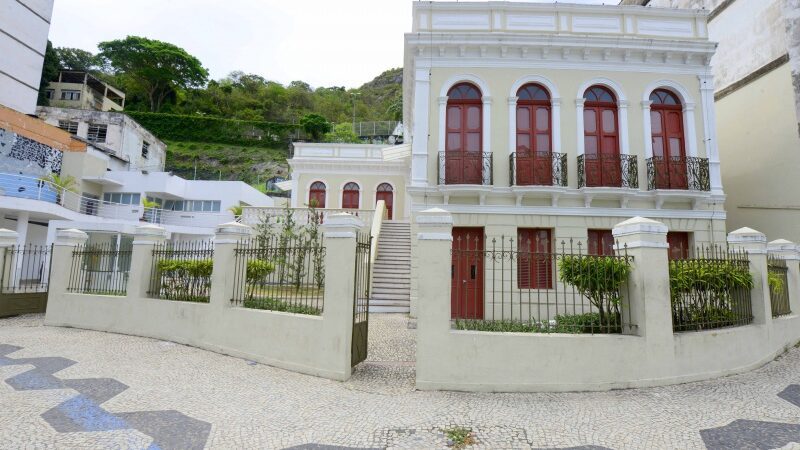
point(322, 42)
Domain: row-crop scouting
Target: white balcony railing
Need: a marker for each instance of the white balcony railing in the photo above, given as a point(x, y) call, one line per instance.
point(254, 215)
point(21, 186)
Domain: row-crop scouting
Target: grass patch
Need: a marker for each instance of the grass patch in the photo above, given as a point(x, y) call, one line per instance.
point(459, 437)
point(271, 304)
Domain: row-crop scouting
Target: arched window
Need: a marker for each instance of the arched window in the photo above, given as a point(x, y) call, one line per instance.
point(669, 154)
point(601, 138)
point(534, 137)
point(386, 193)
point(316, 195)
point(463, 143)
point(350, 195)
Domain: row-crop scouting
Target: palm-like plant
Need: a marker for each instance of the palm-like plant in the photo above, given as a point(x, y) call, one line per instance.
point(61, 184)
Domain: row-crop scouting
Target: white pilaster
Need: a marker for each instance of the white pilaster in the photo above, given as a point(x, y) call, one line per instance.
point(512, 124)
point(689, 129)
point(555, 123)
point(648, 129)
point(579, 142)
point(624, 140)
point(710, 131)
point(419, 139)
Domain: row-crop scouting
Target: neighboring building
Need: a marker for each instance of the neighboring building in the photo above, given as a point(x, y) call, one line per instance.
point(349, 176)
point(129, 144)
point(82, 90)
point(757, 91)
point(24, 26)
point(106, 203)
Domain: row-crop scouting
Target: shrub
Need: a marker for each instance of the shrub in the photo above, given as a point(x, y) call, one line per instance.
point(190, 279)
point(587, 323)
point(598, 278)
point(271, 304)
point(702, 292)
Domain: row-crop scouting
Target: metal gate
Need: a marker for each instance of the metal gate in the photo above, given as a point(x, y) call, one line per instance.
point(24, 279)
point(358, 351)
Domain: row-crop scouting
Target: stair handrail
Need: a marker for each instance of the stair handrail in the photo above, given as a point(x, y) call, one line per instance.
point(381, 213)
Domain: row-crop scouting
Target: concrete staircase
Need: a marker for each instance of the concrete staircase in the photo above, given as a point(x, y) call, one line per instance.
point(391, 282)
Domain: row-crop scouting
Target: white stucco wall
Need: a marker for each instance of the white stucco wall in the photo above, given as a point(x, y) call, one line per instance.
point(24, 26)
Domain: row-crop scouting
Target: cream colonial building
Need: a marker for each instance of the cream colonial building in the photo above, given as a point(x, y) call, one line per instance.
point(553, 117)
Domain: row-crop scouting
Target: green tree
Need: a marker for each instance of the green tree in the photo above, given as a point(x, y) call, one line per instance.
point(49, 73)
point(156, 68)
point(342, 133)
point(315, 125)
point(77, 59)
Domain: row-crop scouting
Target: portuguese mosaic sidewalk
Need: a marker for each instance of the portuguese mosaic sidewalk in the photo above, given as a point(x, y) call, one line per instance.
point(67, 388)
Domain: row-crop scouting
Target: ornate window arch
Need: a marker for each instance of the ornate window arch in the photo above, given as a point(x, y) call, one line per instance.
point(688, 105)
point(463, 148)
point(317, 194)
point(533, 137)
point(667, 166)
point(351, 195)
point(622, 112)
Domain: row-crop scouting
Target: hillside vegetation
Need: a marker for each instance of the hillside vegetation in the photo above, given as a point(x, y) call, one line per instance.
point(240, 124)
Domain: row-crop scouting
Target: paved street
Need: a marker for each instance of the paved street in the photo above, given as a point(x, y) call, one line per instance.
point(66, 388)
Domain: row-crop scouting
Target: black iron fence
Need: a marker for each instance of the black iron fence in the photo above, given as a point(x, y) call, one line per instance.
point(688, 173)
point(778, 280)
point(710, 290)
point(100, 269)
point(598, 170)
point(465, 168)
point(182, 271)
point(280, 274)
point(361, 299)
point(533, 286)
point(25, 269)
point(538, 169)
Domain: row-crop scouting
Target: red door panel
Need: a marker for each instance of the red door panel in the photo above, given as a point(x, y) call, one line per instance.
point(388, 198)
point(464, 135)
point(466, 274)
point(600, 242)
point(669, 154)
point(601, 139)
point(678, 242)
point(534, 262)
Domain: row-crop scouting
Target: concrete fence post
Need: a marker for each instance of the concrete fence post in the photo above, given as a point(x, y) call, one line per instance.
point(648, 293)
point(8, 239)
point(788, 251)
point(66, 241)
point(754, 243)
point(434, 243)
point(223, 275)
point(146, 237)
point(340, 233)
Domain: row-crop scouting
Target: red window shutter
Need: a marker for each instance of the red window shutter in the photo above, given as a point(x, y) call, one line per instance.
point(534, 259)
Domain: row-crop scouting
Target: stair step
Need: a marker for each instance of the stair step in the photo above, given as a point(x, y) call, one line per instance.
point(376, 302)
point(405, 268)
point(390, 298)
point(399, 291)
point(390, 309)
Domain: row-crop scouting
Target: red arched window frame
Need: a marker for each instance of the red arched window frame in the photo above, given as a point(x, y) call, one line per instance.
point(464, 135)
point(669, 152)
point(385, 192)
point(316, 195)
point(350, 195)
point(601, 138)
point(534, 137)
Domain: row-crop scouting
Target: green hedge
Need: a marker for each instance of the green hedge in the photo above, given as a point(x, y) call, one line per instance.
point(211, 129)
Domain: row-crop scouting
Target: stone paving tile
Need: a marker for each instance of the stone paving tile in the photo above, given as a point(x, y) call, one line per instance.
point(256, 406)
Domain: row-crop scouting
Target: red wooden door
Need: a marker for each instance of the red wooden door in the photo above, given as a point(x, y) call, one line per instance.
point(534, 260)
point(350, 195)
point(385, 193)
point(601, 242)
point(601, 138)
point(678, 242)
point(466, 274)
point(464, 129)
point(669, 153)
point(316, 195)
point(534, 152)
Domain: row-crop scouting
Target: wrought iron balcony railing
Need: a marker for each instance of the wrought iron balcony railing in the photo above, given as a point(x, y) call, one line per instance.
point(608, 171)
point(538, 169)
point(465, 168)
point(685, 173)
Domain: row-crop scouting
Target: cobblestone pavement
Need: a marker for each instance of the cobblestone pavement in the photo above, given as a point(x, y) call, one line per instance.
point(66, 388)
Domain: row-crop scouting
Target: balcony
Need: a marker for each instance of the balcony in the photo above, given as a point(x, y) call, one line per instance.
point(538, 169)
point(678, 173)
point(616, 171)
point(470, 168)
